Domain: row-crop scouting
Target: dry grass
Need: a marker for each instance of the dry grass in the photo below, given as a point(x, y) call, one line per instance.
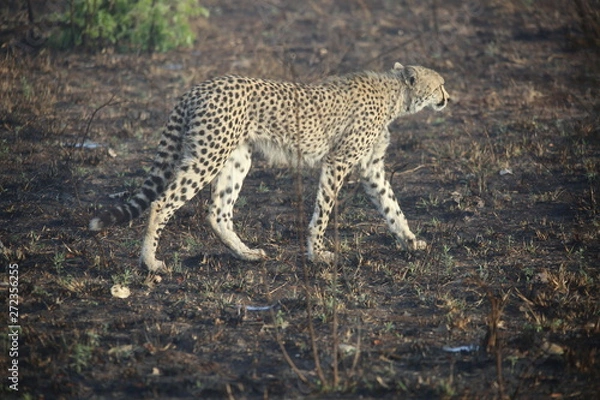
point(503, 185)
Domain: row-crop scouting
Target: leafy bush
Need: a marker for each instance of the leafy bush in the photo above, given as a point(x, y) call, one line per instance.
point(128, 25)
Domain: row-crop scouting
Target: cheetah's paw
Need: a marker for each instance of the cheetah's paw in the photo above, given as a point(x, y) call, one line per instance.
point(252, 255)
point(322, 256)
point(416, 244)
point(153, 265)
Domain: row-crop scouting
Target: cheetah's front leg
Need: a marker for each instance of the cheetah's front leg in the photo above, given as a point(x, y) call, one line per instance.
point(380, 191)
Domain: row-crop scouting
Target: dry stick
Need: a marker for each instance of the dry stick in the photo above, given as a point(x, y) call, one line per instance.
point(408, 171)
point(83, 138)
point(85, 135)
point(279, 340)
point(434, 12)
point(286, 355)
point(494, 343)
point(526, 373)
point(357, 352)
point(311, 327)
point(151, 32)
point(593, 201)
point(103, 257)
point(523, 377)
point(334, 322)
point(278, 337)
point(391, 50)
point(230, 395)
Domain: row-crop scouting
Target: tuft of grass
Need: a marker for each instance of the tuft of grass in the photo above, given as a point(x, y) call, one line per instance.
point(124, 279)
point(59, 262)
point(82, 351)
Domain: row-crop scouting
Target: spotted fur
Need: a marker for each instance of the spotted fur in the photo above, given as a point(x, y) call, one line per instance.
point(341, 123)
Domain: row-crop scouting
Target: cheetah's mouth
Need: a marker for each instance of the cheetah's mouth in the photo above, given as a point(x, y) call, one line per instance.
point(441, 104)
point(444, 102)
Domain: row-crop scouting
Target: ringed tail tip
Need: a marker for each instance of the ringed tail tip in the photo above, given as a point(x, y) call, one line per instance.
point(96, 224)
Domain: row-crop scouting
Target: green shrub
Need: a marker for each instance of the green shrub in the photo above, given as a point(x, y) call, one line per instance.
point(128, 25)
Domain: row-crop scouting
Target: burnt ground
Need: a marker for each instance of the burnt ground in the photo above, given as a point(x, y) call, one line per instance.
point(503, 185)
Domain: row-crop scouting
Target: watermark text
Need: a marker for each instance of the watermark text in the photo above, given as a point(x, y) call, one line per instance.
point(14, 328)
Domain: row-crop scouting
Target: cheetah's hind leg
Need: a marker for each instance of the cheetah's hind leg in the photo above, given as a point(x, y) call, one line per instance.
point(148, 256)
point(330, 183)
point(225, 191)
point(188, 180)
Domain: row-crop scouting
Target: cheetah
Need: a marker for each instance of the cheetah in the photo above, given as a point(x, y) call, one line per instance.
point(340, 123)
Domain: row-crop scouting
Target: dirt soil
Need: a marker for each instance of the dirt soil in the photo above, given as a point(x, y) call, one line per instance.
point(503, 185)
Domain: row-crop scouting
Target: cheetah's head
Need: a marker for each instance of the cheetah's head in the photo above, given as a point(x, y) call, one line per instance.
point(425, 88)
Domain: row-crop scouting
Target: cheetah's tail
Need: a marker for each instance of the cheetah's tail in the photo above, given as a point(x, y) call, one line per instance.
point(167, 158)
point(153, 186)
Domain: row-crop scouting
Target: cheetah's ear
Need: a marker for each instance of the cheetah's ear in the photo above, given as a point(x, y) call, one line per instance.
point(398, 66)
point(409, 75)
